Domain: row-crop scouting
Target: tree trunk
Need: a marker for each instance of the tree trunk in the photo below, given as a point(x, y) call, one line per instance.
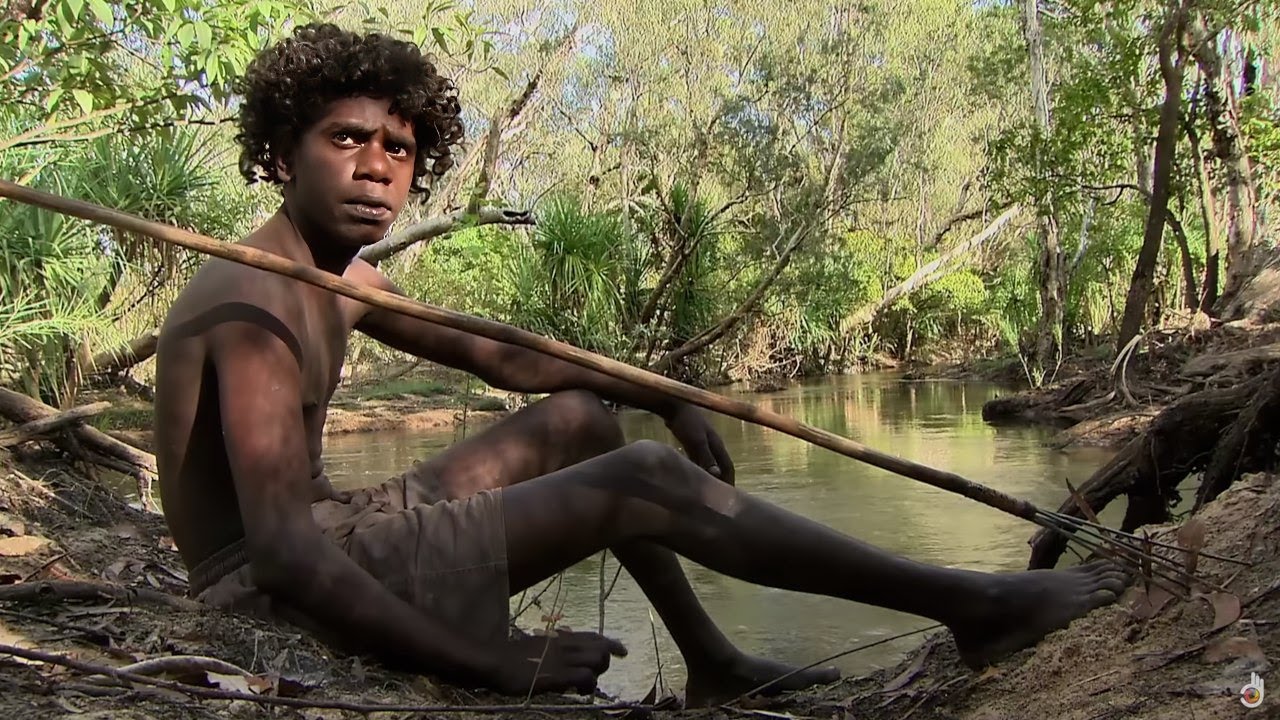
point(1212, 227)
point(929, 272)
point(1171, 65)
point(1051, 261)
point(703, 339)
point(1223, 114)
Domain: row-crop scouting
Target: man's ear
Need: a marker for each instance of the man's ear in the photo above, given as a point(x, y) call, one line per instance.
point(283, 171)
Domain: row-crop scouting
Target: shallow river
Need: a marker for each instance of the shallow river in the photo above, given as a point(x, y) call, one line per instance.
point(937, 423)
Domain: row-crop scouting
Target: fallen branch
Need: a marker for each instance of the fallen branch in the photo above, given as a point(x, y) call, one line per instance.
point(141, 465)
point(119, 359)
point(50, 423)
point(930, 271)
point(215, 694)
point(45, 590)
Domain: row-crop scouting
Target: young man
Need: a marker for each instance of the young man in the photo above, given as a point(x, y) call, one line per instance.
point(418, 571)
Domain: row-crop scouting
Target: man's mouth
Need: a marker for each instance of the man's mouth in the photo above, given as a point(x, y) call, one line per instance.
point(369, 207)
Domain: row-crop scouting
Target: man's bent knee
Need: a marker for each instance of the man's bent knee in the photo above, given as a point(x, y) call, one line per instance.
point(579, 416)
point(657, 472)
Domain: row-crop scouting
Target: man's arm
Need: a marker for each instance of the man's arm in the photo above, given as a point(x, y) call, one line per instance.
point(502, 365)
point(259, 385)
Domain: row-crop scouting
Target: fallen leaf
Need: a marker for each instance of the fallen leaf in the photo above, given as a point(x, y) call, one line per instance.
point(1226, 610)
point(261, 685)
point(906, 676)
point(1191, 534)
point(1234, 647)
point(1191, 537)
point(21, 545)
point(234, 683)
point(1148, 603)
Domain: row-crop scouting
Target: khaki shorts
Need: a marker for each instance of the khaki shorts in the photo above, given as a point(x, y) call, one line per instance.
point(447, 558)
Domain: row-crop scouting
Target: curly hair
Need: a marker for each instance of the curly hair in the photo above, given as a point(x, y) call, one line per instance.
point(290, 85)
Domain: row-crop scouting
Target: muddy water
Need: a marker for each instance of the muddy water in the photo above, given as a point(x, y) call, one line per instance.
point(938, 423)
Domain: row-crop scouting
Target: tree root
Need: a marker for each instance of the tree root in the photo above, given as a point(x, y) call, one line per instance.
point(1248, 445)
point(1180, 440)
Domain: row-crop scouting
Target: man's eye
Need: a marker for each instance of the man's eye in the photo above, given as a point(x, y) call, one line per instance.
point(397, 150)
point(343, 138)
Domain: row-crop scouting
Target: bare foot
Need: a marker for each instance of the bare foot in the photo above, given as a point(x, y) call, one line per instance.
point(722, 682)
point(1024, 607)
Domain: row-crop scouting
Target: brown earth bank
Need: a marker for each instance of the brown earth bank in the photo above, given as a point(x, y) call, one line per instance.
point(1096, 401)
point(1185, 659)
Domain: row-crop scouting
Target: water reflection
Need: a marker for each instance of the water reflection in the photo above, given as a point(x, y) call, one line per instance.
point(936, 423)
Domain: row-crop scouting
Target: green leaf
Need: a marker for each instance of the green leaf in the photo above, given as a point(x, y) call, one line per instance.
point(438, 34)
point(186, 34)
point(500, 73)
point(75, 6)
point(84, 98)
point(53, 99)
point(167, 5)
point(102, 11)
point(204, 34)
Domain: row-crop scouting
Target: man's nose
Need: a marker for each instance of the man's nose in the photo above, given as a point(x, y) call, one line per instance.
point(372, 164)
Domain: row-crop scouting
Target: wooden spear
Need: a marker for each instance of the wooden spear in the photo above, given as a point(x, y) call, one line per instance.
point(253, 257)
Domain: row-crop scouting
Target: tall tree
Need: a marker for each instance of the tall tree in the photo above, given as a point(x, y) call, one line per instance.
point(1172, 59)
point(1052, 260)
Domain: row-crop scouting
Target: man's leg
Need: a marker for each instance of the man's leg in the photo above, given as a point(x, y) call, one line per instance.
point(559, 432)
point(648, 491)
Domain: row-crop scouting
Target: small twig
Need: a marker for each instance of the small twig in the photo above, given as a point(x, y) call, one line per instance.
point(215, 694)
point(61, 624)
point(48, 564)
point(824, 660)
point(184, 664)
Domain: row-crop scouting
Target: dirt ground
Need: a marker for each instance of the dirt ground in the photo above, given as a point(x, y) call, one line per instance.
point(58, 525)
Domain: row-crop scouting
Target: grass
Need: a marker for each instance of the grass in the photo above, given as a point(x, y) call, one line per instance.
point(401, 387)
point(124, 417)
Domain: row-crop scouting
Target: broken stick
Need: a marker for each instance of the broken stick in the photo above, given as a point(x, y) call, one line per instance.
point(50, 423)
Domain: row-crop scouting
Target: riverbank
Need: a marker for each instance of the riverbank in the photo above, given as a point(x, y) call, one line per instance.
point(58, 526)
point(1095, 401)
point(428, 399)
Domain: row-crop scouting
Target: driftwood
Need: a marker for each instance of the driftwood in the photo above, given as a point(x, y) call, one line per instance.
point(50, 423)
point(46, 590)
point(97, 445)
point(1248, 445)
point(1180, 441)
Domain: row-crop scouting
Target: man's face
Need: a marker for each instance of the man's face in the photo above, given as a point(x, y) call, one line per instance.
point(350, 172)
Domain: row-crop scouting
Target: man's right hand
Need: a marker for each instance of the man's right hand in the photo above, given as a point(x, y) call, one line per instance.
point(565, 660)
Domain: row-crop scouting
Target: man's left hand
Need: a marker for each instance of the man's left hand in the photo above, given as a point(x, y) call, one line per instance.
point(700, 442)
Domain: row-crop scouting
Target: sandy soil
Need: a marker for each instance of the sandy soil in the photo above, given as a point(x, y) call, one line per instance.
point(56, 524)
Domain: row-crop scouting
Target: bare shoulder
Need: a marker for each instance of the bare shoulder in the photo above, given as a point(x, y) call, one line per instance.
point(223, 295)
